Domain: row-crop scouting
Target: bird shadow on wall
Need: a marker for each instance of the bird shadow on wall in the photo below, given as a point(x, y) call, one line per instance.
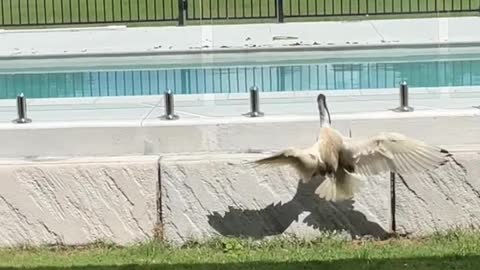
point(276, 218)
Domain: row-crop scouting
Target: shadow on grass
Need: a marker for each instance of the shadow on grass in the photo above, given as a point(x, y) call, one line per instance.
point(276, 218)
point(426, 263)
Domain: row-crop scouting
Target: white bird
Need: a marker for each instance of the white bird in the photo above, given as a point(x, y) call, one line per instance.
point(345, 162)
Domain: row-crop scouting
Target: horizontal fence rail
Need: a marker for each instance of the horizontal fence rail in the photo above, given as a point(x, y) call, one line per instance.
point(65, 12)
point(239, 79)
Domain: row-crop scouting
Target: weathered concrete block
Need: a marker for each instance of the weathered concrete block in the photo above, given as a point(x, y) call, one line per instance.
point(78, 201)
point(445, 198)
point(206, 195)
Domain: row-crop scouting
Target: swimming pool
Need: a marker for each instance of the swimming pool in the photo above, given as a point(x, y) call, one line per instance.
point(237, 77)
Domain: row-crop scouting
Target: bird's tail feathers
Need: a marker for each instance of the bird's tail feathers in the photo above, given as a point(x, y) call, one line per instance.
point(339, 187)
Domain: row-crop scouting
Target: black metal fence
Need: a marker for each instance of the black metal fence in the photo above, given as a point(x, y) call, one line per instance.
point(231, 9)
point(64, 12)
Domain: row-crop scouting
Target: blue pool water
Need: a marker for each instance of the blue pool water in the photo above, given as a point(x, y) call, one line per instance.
point(313, 75)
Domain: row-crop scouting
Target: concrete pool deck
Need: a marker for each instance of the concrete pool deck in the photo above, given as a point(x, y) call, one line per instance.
point(125, 126)
point(120, 40)
point(208, 108)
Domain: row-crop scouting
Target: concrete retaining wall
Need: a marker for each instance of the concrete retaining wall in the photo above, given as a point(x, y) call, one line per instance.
point(199, 195)
point(78, 201)
point(209, 195)
point(446, 198)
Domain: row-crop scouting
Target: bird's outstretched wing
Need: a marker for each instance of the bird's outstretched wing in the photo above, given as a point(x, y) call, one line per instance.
point(394, 152)
point(302, 160)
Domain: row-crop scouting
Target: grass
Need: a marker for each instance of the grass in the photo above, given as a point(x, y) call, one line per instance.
point(454, 250)
point(54, 12)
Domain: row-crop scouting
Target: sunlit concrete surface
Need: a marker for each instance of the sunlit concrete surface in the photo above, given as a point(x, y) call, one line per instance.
point(78, 201)
point(200, 195)
point(207, 195)
point(132, 126)
point(115, 40)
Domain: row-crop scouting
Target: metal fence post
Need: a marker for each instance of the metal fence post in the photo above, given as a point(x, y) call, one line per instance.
point(22, 110)
point(280, 15)
point(169, 107)
point(254, 103)
point(182, 8)
point(404, 99)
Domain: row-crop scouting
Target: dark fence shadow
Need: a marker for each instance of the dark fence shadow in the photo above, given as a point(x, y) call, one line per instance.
point(276, 218)
point(425, 263)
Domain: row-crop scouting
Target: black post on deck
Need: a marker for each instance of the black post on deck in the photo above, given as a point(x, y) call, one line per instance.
point(254, 103)
point(169, 107)
point(280, 15)
point(22, 110)
point(182, 8)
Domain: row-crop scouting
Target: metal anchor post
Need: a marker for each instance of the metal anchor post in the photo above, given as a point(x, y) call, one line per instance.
point(169, 106)
point(404, 99)
point(254, 103)
point(22, 110)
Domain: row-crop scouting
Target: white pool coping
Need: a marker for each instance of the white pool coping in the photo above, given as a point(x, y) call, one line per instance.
point(207, 39)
